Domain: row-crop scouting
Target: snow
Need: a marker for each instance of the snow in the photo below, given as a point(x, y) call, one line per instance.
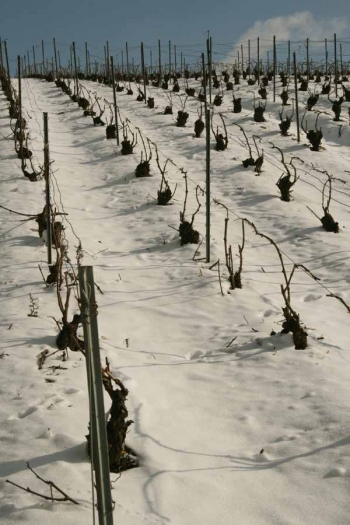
point(248, 430)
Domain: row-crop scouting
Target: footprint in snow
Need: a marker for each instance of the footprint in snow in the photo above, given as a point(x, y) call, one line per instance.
point(311, 297)
point(46, 435)
point(196, 354)
point(71, 390)
point(309, 394)
point(267, 313)
point(338, 472)
point(287, 437)
point(24, 413)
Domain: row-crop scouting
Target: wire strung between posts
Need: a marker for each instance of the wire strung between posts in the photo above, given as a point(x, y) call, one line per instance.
point(238, 217)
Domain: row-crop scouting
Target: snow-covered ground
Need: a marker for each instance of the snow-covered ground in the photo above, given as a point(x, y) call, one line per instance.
point(231, 424)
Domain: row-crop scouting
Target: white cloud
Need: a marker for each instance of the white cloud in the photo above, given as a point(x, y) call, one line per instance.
point(295, 27)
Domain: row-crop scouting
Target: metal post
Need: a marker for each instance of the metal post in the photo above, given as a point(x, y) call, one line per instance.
point(55, 53)
point(34, 60)
point(59, 62)
point(242, 58)
point(20, 111)
point(210, 62)
point(98, 423)
point(1, 62)
point(207, 159)
point(274, 68)
point(47, 188)
point(107, 55)
point(86, 61)
point(258, 53)
point(7, 61)
point(209, 68)
point(159, 62)
point(307, 61)
point(175, 61)
point(288, 63)
point(115, 102)
point(76, 71)
point(249, 58)
point(296, 95)
point(29, 66)
point(204, 83)
point(335, 65)
point(326, 53)
point(143, 71)
point(43, 56)
point(341, 60)
point(71, 61)
point(169, 57)
point(127, 63)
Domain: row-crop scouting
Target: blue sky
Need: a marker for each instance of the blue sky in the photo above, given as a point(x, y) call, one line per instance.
point(25, 23)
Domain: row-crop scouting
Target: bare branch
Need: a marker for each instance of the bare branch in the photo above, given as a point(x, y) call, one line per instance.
point(51, 484)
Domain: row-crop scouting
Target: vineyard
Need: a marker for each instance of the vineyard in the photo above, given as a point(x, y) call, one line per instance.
point(212, 201)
